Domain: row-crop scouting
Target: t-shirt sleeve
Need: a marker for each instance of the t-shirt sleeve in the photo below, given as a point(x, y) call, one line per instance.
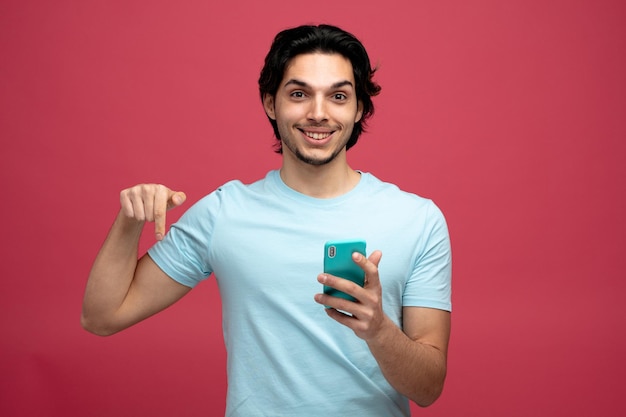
point(430, 283)
point(184, 252)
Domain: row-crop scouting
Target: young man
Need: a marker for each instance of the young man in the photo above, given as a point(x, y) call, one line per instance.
point(264, 244)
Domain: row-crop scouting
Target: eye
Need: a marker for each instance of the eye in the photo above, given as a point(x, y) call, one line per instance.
point(297, 94)
point(339, 97)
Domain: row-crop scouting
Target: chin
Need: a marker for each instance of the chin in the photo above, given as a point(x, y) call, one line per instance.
point(316, 160)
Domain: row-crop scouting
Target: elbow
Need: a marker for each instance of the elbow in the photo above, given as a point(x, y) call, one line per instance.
point(95, 327)
point(430, 395)
point(428, 399)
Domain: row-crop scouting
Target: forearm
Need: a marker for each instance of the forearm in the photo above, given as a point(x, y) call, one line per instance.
point(417, 370)
point(111, 275)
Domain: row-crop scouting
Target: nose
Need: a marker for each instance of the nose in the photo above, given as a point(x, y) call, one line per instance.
point(317, 110)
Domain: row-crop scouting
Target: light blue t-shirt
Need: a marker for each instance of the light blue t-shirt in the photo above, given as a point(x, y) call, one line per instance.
point(264, 243)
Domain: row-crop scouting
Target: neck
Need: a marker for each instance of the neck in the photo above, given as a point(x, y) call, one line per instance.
point(323, 181)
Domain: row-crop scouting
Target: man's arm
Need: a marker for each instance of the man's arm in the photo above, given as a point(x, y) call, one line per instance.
point(121, 290)
point(412, 359)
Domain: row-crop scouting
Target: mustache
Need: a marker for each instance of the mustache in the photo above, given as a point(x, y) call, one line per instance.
point(316, 126)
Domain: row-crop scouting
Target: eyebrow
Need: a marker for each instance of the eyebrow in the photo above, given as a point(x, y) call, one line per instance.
point(336, 85)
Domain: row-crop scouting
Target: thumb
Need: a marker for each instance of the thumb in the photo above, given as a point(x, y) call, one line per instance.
point(176, 199)
point(375, 257)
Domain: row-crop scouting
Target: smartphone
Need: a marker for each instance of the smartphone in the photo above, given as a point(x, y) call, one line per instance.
point(338, 262)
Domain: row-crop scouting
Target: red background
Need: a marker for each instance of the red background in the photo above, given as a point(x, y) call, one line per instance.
point(509, 114)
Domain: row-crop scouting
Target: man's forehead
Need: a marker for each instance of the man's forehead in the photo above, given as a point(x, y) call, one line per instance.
point(319, 68)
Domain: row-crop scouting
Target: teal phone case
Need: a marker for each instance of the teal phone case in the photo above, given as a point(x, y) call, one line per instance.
point(338, 262)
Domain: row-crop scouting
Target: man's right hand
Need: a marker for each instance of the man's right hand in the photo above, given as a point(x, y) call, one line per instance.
point(121, 289)
point(150, 202)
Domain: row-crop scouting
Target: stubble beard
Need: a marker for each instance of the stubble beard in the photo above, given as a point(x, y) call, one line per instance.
point(314, 161)
point(289, 144)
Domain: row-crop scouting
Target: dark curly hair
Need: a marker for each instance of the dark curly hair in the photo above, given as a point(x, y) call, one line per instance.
point(326, 39)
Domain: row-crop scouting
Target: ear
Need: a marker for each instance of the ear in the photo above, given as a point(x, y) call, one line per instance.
point(359, 111)
point(268, 105)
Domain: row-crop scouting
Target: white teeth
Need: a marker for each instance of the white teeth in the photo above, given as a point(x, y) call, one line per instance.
point(314, 135)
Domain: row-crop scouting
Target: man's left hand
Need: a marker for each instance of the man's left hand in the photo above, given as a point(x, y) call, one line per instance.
point(364, 316)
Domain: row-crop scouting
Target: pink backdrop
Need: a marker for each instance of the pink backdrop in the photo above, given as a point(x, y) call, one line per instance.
point(509, 114)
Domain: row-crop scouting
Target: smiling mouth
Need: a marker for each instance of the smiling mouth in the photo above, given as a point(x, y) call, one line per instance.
point(316, 135)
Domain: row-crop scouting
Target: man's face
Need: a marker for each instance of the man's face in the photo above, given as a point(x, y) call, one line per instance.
point(315, 107)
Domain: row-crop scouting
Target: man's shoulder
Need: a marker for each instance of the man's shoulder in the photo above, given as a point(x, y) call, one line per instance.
point(235, 191)
point(392, 190)
point(235, 186)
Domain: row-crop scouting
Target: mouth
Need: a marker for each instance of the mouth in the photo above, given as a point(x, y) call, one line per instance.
point(316, 135)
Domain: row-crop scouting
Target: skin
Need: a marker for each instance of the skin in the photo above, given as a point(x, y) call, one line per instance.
point(316, 96)
point(315, 108)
